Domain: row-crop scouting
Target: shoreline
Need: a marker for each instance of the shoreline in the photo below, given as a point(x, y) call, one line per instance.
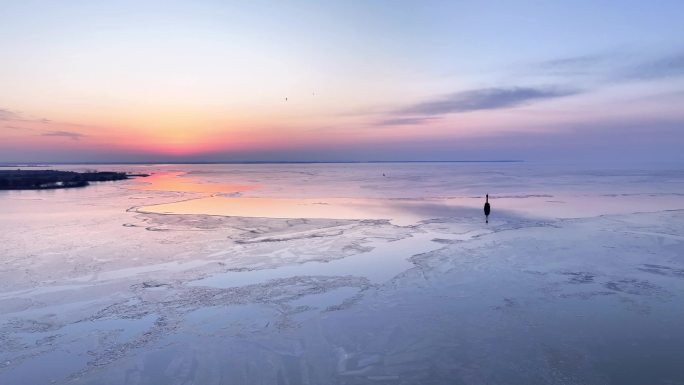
point(55, 179)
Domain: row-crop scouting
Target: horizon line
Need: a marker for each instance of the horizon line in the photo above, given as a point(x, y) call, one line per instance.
point(38, 164)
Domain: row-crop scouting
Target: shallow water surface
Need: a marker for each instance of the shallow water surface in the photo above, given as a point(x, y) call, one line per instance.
point(384, 261)
point(338, 274)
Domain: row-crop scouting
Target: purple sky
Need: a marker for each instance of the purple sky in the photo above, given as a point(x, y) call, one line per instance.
point(354, 80)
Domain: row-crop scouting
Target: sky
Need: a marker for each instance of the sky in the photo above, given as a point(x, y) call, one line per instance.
point(211, 81)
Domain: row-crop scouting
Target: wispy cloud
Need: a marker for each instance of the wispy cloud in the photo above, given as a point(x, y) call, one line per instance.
point(485, 99)
point(614, 66)
point(8, 115)
point(663, 67)
point(401, 121)
point(573, 61)
point(18, 128)
point(580, 65)
point(67, 134)
point(19, 121)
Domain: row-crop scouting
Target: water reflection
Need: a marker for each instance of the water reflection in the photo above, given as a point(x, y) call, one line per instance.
point(407, 211)
point(399, 211)
point(280, 196)
point(177, 181)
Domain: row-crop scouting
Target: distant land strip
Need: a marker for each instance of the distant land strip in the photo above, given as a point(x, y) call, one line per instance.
point(53, 179)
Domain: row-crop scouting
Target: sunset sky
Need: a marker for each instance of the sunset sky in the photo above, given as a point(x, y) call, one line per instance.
point(103, 81)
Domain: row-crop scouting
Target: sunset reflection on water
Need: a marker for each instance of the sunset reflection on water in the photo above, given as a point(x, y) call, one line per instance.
point(278, 198)
point(179, 181)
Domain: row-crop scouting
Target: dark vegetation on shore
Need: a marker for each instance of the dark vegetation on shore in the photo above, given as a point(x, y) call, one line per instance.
point(51, 179)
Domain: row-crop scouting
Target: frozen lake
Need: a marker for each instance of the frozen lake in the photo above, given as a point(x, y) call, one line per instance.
point(347, 274)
